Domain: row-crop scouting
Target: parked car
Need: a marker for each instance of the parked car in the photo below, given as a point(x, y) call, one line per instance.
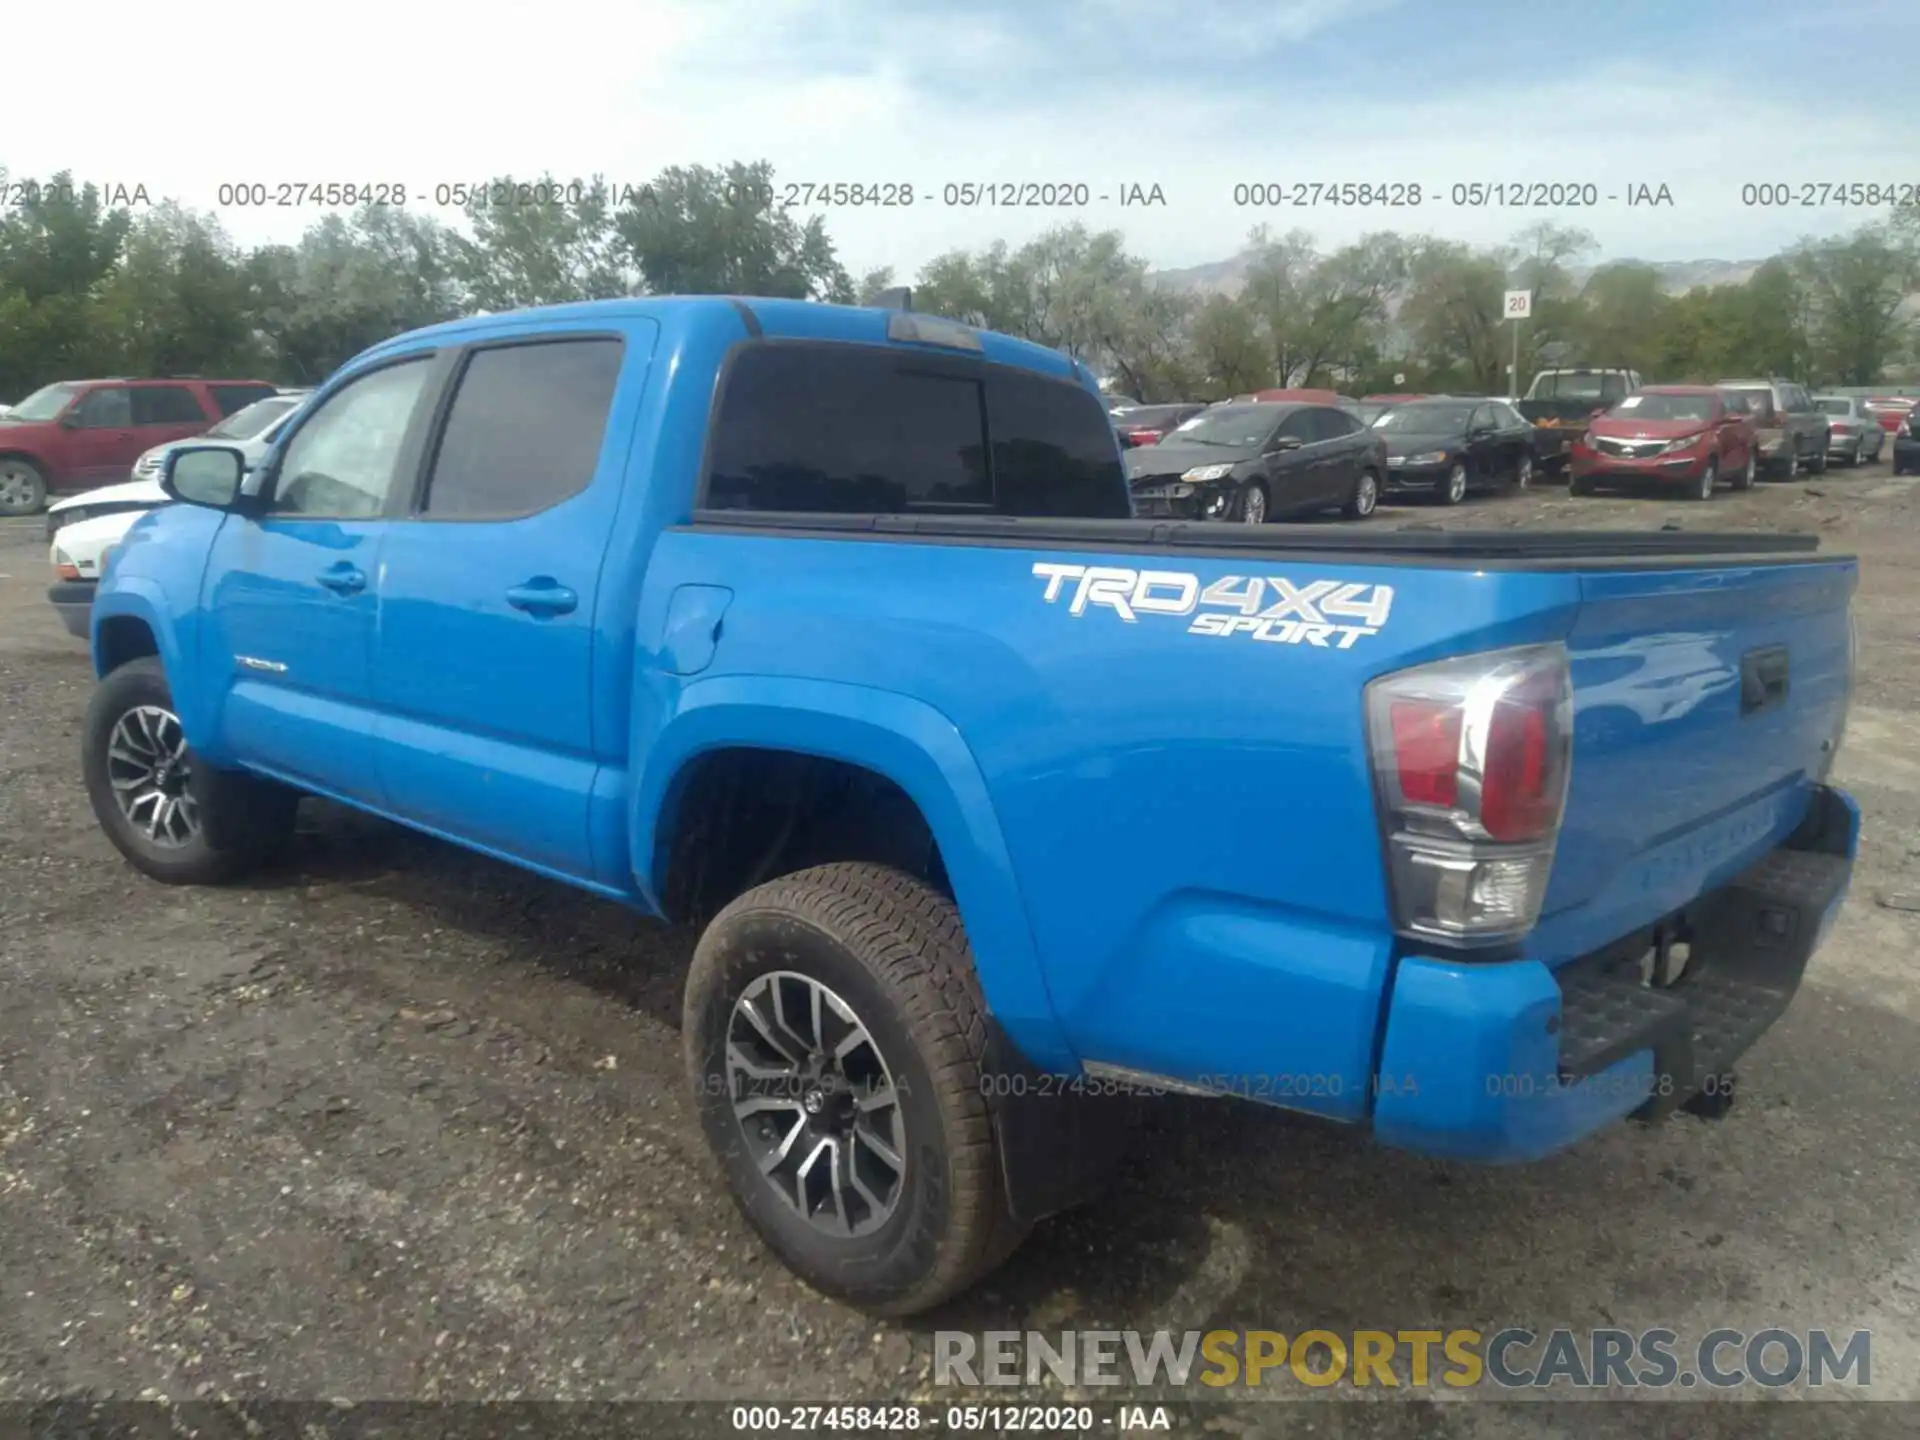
point(1791, 430)
point(1891, 411)
point(1148, 424)
point(1853, 431)
point(1445, 446)
point(1685, 437)
point(1372, 407)
point(80, 434)
point(253, 429)
point(988, 798)
point(1906, 445)
point(1561, 401)
point(1256, 462)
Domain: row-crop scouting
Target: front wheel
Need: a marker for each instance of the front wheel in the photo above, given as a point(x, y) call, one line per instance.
point(1454, 488)
point(1365, 498)
point(1253, 504)
point(1744, 480)
point(23, 489)
point(1709, 477)
point(834, 1037)
point(173, 817)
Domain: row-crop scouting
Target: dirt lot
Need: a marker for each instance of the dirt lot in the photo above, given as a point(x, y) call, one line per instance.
point(396, 1121)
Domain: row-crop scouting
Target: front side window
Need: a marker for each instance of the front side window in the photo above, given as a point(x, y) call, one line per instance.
point(525, 429)
point(341, 464)
point(847, 429)
point(108, 408)
point(166, 405)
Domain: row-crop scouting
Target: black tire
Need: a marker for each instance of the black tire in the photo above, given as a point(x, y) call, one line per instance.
point(893, 950)
point(1818, 465)
point(1791, 469)
point(1710, 477)
point(1744, 479)
point(1453, 489)
point(1365, 498)
point(23, 487)
point(241, 822)
point(1254, 507)
point(1523, 473)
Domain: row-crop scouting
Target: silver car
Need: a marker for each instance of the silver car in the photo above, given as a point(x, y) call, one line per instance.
point(1854, 432)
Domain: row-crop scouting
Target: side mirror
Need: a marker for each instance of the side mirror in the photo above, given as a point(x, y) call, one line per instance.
point(208, 475)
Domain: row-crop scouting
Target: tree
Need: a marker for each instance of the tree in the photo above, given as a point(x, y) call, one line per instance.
point(1855, 286)
point(1452, 313)
point(1622, 316)
point(558, 248)
point(699, 231)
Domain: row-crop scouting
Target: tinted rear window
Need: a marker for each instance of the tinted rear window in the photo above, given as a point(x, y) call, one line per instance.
point(166, 405)
point(852, 429)
point(229, 398)
point(525, 429)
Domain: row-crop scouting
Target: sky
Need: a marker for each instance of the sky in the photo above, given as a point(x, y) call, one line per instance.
point(1702, 97)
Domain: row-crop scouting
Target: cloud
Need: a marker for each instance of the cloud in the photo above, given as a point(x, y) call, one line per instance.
point(1106, 93)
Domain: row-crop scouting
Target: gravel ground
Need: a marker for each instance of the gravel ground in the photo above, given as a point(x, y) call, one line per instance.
point(394, 1121)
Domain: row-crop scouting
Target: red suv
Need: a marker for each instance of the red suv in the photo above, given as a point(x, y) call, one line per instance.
point(84, 433)
point(1691, 436)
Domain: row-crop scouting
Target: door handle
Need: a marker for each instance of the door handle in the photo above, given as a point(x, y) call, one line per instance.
point(542, 595)
point(344, 579)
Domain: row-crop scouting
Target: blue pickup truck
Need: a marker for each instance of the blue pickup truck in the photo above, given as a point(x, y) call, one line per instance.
point(831, 629)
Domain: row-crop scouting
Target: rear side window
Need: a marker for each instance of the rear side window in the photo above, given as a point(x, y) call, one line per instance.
point(1334, 424)
point(1053, 451)
point(849, 430)
point(525, 429)
point(229, 398)
point(166, 405)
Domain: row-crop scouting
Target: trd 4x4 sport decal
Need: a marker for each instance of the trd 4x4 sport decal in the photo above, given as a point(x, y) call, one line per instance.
point(1332, 614)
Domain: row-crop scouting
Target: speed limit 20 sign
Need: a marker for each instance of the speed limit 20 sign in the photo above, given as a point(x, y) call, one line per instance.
point(1519, 304)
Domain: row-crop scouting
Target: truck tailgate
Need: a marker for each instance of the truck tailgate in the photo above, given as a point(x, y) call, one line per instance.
point(1707, 701)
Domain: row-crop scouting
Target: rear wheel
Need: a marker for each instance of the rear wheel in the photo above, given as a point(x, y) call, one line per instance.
point(23, 489)
point(172, 816)
point(1792, 470)
point(835, 1037)
point(1744, 480)
point(1365, 498)
point(1453, 489)
point(1523, 474)
point(1818, 465)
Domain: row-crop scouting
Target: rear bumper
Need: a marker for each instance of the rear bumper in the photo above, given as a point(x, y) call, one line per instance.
point(1511, 1061)
point(72, 600)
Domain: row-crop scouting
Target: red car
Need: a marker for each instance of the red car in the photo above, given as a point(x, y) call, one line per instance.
point(1891, 410)
point(1147, 424)
point(81, 434)
point(1689, 437)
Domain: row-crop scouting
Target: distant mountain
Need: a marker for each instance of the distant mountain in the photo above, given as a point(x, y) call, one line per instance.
point(1227, 277)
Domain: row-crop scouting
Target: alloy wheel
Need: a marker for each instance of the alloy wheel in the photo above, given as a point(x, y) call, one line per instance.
point(816, 1104)
point(1523, 477)
point(149, 768)
point(1456, 484)
point(1366, 495)
point(1253, 506)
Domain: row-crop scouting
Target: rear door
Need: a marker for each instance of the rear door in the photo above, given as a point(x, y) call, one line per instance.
point(165, 412)
point(1483, 447)
point(483, 663)
point(1340, 433)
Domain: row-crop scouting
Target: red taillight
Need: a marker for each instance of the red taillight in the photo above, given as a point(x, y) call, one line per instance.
point(1426, 752)
point(1472, 758)
point(1516, 802)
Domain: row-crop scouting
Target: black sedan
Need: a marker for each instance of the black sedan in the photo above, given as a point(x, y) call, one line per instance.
point(1254, 462)
point(1446, 446)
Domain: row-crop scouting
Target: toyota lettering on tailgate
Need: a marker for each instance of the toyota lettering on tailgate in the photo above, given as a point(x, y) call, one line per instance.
point(1331, 614)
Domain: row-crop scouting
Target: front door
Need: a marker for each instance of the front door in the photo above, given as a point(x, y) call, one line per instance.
point(483, 667)
point(102, 443)
point(291, 594)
